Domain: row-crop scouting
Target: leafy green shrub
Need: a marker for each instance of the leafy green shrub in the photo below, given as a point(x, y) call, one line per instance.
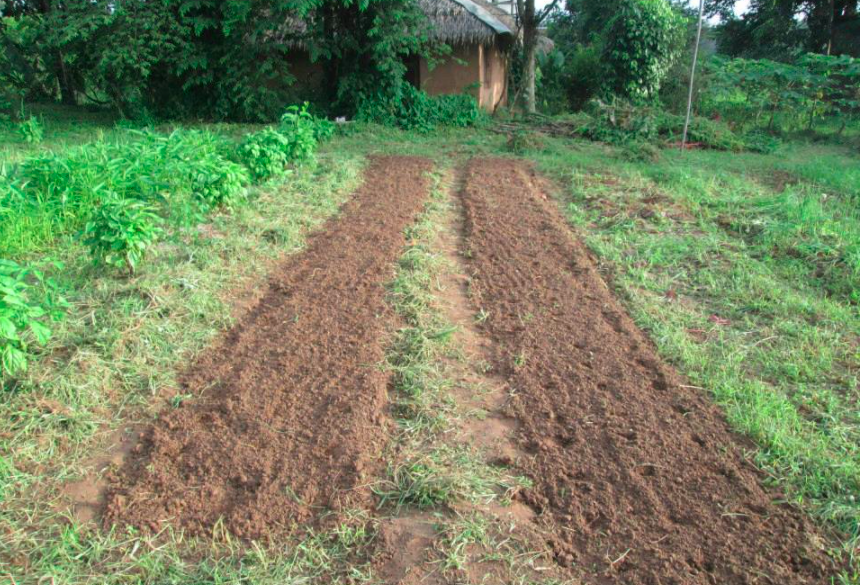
point(31, 130)
point(415, 110)
point(27, 299)
point(302, 131)
point(266, 154)
point(218, 183)
point(120, 231)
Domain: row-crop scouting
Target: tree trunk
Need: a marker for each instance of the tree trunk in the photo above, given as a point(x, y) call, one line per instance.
point(529, 50)
point(67, 90)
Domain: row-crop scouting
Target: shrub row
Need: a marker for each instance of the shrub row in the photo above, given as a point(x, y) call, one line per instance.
point(120, 196)
point(625, 124)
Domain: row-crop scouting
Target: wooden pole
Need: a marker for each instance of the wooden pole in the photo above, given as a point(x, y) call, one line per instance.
point(693, 74)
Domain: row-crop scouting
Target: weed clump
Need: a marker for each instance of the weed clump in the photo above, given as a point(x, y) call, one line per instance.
point(623, 124)
point(521, 141)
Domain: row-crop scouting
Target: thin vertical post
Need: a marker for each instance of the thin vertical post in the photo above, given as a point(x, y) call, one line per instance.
point(693, 74)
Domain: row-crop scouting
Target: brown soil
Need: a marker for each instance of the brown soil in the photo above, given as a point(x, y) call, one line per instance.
point(290, 414)
point(636, 474)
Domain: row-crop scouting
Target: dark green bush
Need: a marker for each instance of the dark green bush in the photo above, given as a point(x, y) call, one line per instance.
point(415, 110)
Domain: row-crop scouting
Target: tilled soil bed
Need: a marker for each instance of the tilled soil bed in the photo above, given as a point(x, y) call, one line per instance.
point(637, 476)
point(291, 410)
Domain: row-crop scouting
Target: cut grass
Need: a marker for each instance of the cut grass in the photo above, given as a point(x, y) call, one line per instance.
point(748, 286)
point(426, 471)
point(77, 555)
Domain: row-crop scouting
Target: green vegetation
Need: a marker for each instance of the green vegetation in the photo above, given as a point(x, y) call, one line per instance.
point(641, 42)
point(120, 231)
point(29, 299)
point(416, 110)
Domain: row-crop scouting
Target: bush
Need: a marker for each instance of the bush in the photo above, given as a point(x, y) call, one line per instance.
point(27, 300)
point(415, 110)
point(266, 154)
point(120, 231)
point(218, 183)
point(302, 131)
point(585, 73)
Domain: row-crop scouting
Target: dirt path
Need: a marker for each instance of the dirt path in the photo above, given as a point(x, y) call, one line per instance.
point(636, 475)
point(289, 418)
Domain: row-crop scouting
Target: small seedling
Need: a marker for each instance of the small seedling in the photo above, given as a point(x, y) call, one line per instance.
point(179, 399)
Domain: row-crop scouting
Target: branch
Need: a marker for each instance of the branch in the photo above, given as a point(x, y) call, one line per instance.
point(540, 16)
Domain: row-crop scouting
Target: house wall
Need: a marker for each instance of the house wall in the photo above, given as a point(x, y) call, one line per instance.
point(494, 87)
point(460, 72)
point(474, 69)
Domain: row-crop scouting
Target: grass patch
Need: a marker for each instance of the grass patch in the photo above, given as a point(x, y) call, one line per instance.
point(427, 471)
point(748, 286)
point(81, 555)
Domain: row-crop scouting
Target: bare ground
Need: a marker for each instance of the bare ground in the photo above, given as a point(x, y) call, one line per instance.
point(288, 419)
point(635, 473)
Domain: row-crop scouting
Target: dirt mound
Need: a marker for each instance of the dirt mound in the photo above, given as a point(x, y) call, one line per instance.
point(290, 414)
point(639, 477)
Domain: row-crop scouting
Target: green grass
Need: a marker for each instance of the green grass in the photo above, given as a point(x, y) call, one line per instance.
point(427, 471)
point(747, 280)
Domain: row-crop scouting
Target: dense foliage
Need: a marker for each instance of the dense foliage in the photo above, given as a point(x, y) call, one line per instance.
point(767, 93)
point(415, 110)
point(208, 58)
point(783, 29)
point(628, 55)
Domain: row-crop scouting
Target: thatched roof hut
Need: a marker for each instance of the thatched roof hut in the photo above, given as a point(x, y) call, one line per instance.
point(478, 33)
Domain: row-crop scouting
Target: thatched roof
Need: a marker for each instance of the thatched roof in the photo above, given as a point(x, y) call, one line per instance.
point(468, 21)
point(454, 22)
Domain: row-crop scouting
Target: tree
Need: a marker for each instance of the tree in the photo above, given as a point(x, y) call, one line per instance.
point(224, 59)
point(783, 29)
point(642, 41)
point(530, 20)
